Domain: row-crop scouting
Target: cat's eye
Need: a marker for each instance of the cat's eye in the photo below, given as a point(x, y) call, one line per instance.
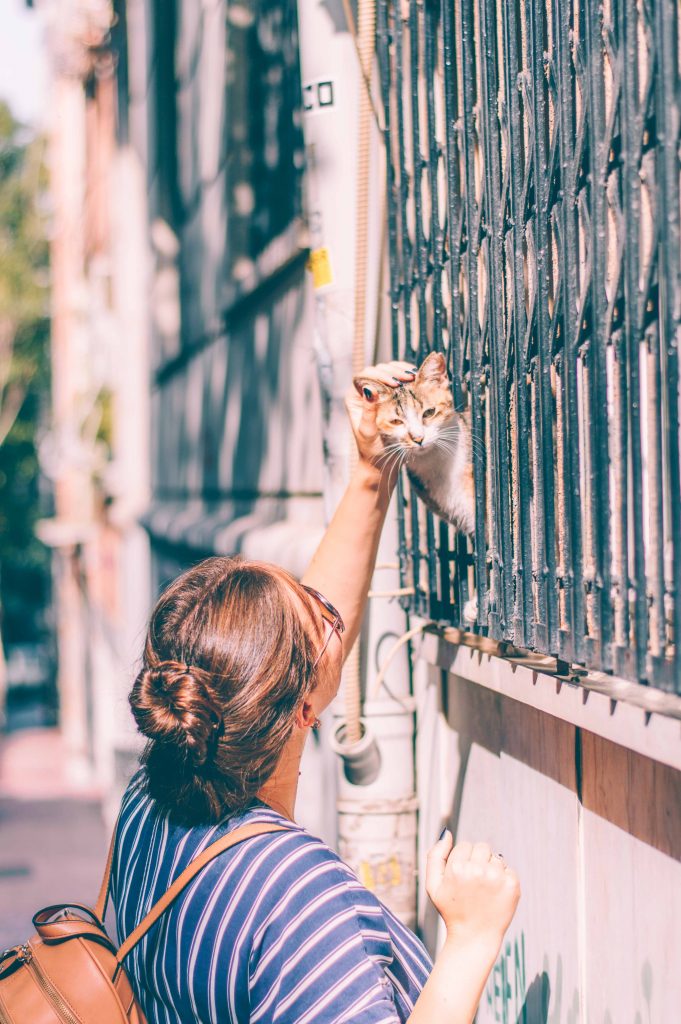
point(397, 423)
point(428, 413)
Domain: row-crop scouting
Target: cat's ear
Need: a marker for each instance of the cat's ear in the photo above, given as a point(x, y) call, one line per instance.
point(432, 369)
point(370, 389)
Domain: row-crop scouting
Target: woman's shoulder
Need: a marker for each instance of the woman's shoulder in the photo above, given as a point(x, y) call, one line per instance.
point(287, 850)
point(292, 849)
point(288, 865)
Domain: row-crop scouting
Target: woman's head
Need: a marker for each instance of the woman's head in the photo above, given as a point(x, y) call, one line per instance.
point(227, 665)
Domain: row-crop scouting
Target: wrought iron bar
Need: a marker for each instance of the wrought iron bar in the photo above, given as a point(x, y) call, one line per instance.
point(544, 259)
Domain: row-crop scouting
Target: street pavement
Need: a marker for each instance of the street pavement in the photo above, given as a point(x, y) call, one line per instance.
point(53, 840)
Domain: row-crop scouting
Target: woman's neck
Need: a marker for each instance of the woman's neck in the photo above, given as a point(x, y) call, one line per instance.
point(280, 790)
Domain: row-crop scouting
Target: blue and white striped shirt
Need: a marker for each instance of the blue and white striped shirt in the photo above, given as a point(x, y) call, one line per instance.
point(275, 929)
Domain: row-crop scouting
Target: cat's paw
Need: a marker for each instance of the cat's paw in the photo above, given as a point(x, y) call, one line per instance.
point(470, 611)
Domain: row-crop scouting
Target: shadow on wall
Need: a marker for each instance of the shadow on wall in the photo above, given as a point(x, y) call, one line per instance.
point(544, 776)
point(431, 917)
point(233, 418)
point(536, 1006)
point(238, 429)
point(627, 789)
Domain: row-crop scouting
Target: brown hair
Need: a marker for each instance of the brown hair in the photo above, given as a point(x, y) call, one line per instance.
point(227, 662)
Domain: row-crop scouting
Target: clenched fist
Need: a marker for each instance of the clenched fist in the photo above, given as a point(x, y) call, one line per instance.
point(474, 890)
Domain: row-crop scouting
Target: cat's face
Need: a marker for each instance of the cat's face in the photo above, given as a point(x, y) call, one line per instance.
point(413, 415)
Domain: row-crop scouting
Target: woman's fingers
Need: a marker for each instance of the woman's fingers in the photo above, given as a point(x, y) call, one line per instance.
point(436, 861)
point(462, 851)
point(481, 853)
point(389, 374)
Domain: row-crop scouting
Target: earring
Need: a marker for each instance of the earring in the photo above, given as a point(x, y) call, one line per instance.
point(316, 724)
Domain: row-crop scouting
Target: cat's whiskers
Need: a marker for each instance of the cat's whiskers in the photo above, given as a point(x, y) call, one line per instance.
point(400, 461)
point(388, 451)
point(443, 447)
point(393, 459)
point(453, 433)
point(479, 449)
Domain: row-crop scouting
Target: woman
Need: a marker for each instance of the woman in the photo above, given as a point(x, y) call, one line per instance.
point(239, 662)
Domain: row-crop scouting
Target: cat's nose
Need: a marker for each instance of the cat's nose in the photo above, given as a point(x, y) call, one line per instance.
point(417, 438)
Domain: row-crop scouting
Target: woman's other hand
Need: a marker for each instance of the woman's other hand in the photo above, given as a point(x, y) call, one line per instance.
point(362, 407)
point(476, 895)
point(474, 890)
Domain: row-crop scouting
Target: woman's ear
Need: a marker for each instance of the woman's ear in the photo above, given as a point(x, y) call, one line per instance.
point(369, 389)
point(305, 715)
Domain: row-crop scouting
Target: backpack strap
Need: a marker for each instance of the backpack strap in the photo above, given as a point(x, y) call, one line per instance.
point(103, 898)
point(212, 851)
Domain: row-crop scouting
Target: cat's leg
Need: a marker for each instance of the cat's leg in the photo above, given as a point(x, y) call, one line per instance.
point(470, 611)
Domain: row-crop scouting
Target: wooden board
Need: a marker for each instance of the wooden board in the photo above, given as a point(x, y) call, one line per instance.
point(632, 885)
point(514, 786)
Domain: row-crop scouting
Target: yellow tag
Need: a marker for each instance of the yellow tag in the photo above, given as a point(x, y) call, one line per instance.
point(320, 265)
point(365, 874)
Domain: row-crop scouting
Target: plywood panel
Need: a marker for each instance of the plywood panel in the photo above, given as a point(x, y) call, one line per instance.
point(438, 769)
point(632, 870)
point(519, 794)
point(594, 831)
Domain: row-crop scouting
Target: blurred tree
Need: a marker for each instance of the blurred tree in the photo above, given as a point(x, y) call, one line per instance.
point(24, 377)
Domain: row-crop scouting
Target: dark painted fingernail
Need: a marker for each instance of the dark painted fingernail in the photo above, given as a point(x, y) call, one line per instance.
point(398, 380)
point(444, 832)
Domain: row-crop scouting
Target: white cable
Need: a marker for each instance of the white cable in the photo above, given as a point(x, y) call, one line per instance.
point(404, 639)
point(402, 592)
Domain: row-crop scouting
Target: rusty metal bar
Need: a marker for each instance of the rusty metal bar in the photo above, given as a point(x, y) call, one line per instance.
point(544, 259)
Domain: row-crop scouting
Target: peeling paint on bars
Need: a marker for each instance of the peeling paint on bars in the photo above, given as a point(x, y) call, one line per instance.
point(534, 232)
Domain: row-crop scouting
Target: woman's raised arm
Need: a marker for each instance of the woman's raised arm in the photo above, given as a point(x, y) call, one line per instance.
point(343, 564)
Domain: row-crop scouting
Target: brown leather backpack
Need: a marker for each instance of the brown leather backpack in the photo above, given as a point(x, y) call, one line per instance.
point(70, 972)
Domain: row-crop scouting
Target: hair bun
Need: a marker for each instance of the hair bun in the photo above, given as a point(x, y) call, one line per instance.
point(172, 703)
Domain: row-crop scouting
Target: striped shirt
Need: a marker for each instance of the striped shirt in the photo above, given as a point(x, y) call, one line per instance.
point(275, 929)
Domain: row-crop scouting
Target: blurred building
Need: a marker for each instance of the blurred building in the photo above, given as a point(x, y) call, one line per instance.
point(96, 451)
point(186, 409)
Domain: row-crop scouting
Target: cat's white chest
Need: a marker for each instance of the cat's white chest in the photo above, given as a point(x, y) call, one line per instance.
point(440, 478)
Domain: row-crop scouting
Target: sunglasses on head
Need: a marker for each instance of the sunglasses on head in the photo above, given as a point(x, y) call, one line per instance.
point(329, 614)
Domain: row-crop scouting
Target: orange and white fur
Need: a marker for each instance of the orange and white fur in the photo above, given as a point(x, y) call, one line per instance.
point(421, 430)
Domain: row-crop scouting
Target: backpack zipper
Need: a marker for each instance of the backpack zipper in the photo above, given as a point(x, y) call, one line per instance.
point(62, 1008)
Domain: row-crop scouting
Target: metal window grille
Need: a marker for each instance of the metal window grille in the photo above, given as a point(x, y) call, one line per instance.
point(533, 217)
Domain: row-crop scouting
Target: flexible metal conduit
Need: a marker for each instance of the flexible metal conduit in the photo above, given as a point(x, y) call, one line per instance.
point(366, 30)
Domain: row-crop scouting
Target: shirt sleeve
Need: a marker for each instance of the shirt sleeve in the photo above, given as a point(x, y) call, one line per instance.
point(316, 959)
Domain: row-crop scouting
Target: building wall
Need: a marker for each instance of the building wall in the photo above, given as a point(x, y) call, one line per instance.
point(235, 461)
point(234, 386)
point(97, 449)
point(561, 782)
point(237, 466)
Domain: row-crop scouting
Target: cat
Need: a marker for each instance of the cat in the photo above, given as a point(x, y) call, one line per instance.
point(420, 428)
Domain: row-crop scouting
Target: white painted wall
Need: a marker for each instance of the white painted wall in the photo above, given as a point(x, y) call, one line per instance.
point(593, 829)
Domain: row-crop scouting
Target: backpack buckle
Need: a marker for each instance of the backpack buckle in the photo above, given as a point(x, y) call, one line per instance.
point(13, 958)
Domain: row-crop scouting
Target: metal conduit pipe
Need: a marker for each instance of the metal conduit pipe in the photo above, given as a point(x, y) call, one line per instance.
point(366, 32)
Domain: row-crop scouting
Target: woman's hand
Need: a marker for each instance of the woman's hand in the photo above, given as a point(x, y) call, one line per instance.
point(476, 894)
point(362, 407)
point(474, 890)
